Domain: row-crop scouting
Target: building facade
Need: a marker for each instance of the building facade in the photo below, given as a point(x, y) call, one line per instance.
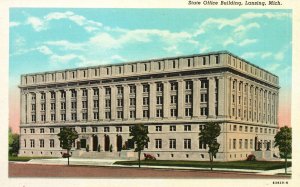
point(174, 97)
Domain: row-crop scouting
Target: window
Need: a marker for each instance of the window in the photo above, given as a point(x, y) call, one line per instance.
point(73, 104)
point(119, 129)
point(42, 143)
point(240, 128)
point(204, 83)
point(132, 89)
point(43, 107)
point(145, 67)
point(145, 88)
point(217, 60)
point(234, 127)
point(83, 129)
point(172, 143)
point(204, 61)
point(107, 115)
point(53, 117)
point(120, 90)
point(145, 113)
point(63, 106)
point(96, 115)
point(187, 127)
point(187, 144)
point(33, 118)
point(159, 100)
point(96, 92)
point(51, 142)
point(96, 103)
point(74, 116)
point(63, 94)
point(33, 107)
point(188, 98)
point(188, 85)
point(251, 144)
point(240, 144)
point(173, 112)
point(84, 104)
point(51, 130)
point(172, 128)
point(52, 106)
point(204, 111)
point(251, 129)
point(120, 114)
point(132, 114)
point(234, 144)
point(106, 129)
point(32, 143)
point(95, 129)
point(201, 127)
point(173, 99)
point(188, 112)
point(145, 100)
point(158, 143)
point(158, 128)
point(107, 91)
point(32, 131)
point(173, 86)
point(246, 144)
point(246, 128)
point(107, 103)
point(63, 117)
point(204, 97)
point(42, 130)
point(159, 113)
point(159, 87)
point(132, 101)
point(52, 95)
point(43, 96)
point(189, 62)
point(174, 64)
point(202, 145)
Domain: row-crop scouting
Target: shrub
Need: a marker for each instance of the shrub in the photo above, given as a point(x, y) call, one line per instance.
point(99, 148)
point(87, 148)
point(66, 155)
point(124, 147)
point(110, 148)
point(251, 158)
point(149, 157)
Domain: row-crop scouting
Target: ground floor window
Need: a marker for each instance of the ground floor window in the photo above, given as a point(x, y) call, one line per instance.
point(83, 143)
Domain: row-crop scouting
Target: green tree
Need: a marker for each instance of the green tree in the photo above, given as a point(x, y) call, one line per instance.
point(67, 137)
point(140, 137)
point(208, 136)
point(283, 140)
point(14, 143)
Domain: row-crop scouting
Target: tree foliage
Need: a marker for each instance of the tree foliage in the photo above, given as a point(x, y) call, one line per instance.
point(140, 137)
point(283, 140)
point(67, 137)
point(209, 136)
point(14, 143)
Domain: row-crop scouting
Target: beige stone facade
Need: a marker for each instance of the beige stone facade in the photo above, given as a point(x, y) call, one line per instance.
point(174, 97)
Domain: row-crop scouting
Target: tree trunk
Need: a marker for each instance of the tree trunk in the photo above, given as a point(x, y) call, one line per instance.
point(68, 157)
point(285, 157)
point(139, 158)
point(211, 160)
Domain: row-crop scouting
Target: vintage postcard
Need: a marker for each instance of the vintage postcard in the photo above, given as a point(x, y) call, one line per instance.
point(168, 93)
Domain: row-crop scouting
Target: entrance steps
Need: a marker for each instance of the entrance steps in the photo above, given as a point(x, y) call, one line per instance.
point(124, 154)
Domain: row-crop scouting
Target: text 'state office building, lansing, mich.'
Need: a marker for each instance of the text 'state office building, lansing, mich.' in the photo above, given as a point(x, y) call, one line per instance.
point(173, 97)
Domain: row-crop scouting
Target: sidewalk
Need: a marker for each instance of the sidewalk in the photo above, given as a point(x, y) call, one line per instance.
point(109, 162)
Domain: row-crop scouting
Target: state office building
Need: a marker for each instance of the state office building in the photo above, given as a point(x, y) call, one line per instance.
point(174, 97)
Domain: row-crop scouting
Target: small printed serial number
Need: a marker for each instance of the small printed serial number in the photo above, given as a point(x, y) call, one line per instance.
point(280, 182)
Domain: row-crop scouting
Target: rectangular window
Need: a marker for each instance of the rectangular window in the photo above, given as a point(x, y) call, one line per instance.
point(145, 100)
point(203, 97)
point(188, 98)
point(159, 100)
point(107, 115)
point(132, 101)
point(188, 85)
point(132, 114)
point(120, 102)
point(173, 86)
point(63, 117)
point(74, 105)
point(145, 88)
point(84, 104)
point(173, 99)
point(234, 144)
point(51, 130)
point(187, 144)
point(240, 144)
point(83, 129)
point(172, 128)
point(51, 142)
point(204, 111)
point(158, 128)
point(158, 143)
point(32, 143)
point(132, 89)
point(120, 114)
point(204, 83)
point(96, 103)
point(107, 103)
point(251, 144)
point(202, 145)
point(42, 143)
point(187, 128)
point(106, 129)
point(95, 129)
point(120, 90)
point(42, 130)
point(188, 112)
point(246, 144)
point(96, 92)
point(74, 116)
point(119, 129)
point(159, 113)
point(96, 115)
point(63, 106)
point(159, 87)
point(145, 113)
point(173, 112)
point(32, 131)
point(107, 91)
point(53, 117)
point(172, 143)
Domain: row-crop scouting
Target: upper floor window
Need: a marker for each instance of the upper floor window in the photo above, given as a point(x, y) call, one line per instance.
point(188, 85)
point(174, 86)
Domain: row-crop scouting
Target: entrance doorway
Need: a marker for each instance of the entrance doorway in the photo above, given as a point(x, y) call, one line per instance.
point(106, 142)
point(119, 143)
point(255, 146)
point(95, 142)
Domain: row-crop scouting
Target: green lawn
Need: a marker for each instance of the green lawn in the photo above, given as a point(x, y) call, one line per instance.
point(25, 159)
point(252, 165)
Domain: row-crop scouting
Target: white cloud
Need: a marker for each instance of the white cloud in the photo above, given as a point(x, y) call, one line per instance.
point(249, 55)
point(66, 45)
point(14, 24)
point(228, 42)
point(279, 56)
point(273, 67)
point(36, 23)
point(44, 50)
point(64, 59)
point(118, 58)
point(247, 42)
point(266, 55)
point(242, 28)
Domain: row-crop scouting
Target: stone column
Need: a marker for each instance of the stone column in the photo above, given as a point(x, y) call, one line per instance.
point(248, 102)
point(211, 97)
point(90, 104)
point(181, 99)
point(221, 97)
point(38, 106)
point(23, 107)
point(79, 104)
point(28, 107)
point(139, 101)
point(242, 100)
point(152, 100)
point(57, 105)
point(229, 97)
point(236, 98)
point(48, 106)
point(166, 100)
point(68, 105)
point(196, 98)
point(125, 102)
point(113, 100)
point(101, 103)
point(267, 108)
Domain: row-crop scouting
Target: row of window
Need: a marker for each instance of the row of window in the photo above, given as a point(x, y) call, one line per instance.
point(248, 144)
point(187, 144)
point(250, 129)
point(42, 143)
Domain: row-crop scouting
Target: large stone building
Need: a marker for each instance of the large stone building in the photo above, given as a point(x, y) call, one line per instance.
point(174, 97)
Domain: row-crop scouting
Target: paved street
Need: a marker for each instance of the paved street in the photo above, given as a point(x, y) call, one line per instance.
point(39, 170)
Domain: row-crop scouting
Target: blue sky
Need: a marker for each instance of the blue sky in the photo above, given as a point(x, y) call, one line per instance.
point(53, 39)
